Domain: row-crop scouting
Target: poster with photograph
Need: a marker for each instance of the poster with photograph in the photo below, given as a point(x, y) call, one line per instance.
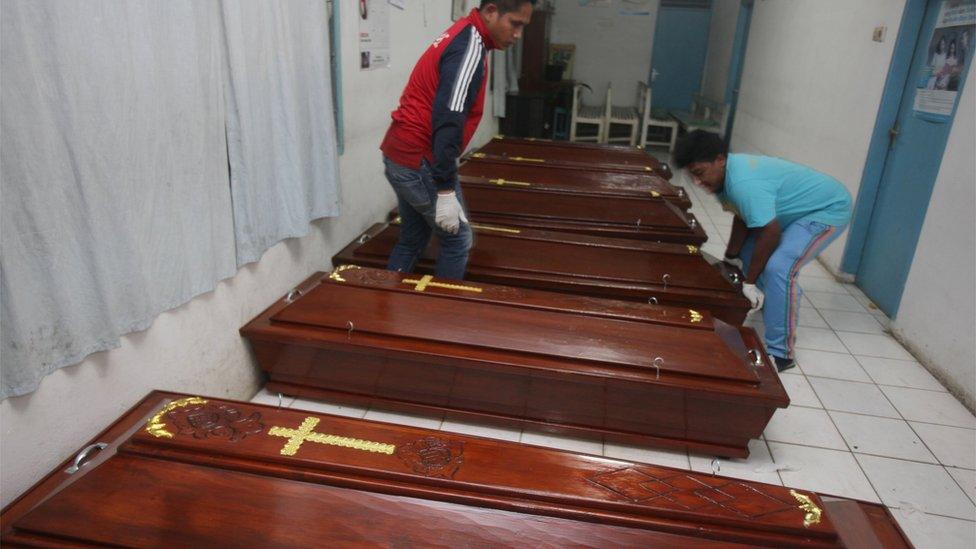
point(563, 54)
point(374, 34)
point(950, 50)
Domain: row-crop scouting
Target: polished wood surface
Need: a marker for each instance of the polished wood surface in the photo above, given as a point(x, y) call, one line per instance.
point(589, 156)
point(500, 202)
point(669, 274)
point(565, 363)
point(223, 477)
point(573, 179)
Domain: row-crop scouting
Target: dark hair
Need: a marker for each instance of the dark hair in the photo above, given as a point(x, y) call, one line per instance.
point(505, 6)
point(698, 146)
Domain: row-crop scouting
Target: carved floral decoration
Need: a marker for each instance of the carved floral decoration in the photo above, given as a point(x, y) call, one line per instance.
point(432, 456)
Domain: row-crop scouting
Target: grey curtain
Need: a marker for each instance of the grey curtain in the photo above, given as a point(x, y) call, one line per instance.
point(280, 127)
point(117, 203)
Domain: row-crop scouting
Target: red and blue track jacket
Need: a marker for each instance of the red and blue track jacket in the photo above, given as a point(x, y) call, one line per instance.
point(442, 103)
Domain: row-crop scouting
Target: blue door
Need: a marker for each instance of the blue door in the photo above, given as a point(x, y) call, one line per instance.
point(680, 45)
point(917, 140)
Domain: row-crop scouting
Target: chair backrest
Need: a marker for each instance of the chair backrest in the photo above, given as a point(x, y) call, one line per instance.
point(576, 97)
point(608, 106)
point(643, 101)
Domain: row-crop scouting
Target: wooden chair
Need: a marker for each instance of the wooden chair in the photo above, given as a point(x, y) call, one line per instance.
point(585, 114)
point(706, 114)
point(651, 119)
point(623, 116)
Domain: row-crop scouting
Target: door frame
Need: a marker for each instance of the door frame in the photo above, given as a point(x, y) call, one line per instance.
point(898, 73)
point(737, 63)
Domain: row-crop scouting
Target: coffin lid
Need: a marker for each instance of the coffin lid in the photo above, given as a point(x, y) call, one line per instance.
point(580, 332)
point(231, 449)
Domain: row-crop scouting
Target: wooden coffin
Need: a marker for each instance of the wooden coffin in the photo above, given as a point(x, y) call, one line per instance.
point(588, 156)
point(661, 273)
point(573, 179)
point(180, 471)
point(502, 202)
point(664, 376)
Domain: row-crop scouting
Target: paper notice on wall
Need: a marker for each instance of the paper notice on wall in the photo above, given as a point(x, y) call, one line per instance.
point(949, 53)
point(374, 34)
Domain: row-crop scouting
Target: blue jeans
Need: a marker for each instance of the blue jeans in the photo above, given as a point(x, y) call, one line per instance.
point(417, 201)
point(800, 242)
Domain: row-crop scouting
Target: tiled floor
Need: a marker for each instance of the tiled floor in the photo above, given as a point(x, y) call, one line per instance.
point(866, 420)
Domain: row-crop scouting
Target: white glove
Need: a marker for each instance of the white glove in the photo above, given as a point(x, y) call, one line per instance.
point(754, 295)
point(449, 214)
point(734, 261)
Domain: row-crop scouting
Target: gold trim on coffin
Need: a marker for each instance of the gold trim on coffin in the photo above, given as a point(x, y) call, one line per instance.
point(813, 512)
point(695, 315)
point(501, 181)
point(157, 427)
point(296, 437)
point(692, 249)
point(481, 227)
point(334, 275)
point(428, 280)
point(655, 194)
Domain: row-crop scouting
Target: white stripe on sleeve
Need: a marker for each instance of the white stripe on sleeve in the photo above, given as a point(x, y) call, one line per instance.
point(468, 65)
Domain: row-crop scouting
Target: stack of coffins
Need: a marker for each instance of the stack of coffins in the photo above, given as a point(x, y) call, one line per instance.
point(568, 178)
point(672, 377)
point(582, 156)
point(540, 206)
point(647, 272)
point(184, 471)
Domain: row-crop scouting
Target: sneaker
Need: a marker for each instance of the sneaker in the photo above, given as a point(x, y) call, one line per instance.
point(783, 364)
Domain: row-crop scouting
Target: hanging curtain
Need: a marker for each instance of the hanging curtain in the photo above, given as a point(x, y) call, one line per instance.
point(280, 128)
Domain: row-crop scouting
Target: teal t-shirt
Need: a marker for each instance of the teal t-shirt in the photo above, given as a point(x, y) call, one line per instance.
point(761, 188)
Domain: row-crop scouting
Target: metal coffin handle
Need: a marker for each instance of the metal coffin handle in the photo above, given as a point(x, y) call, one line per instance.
point(293, 295)
point(666, 279)
point(83, 456)
point(652, 300)
point(756, 357)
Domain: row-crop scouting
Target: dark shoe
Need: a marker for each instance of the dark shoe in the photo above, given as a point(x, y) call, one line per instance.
point(783, 364)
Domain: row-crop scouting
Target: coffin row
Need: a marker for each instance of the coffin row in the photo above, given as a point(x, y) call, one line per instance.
point(664, 376)
point(548, 207)
point(185, 471)
point(660, 273)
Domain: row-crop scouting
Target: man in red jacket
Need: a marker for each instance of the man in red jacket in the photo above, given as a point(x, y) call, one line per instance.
point(438, 113)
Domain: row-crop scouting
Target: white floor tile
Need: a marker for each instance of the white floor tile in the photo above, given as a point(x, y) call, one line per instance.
point(811, 283)
point(883, 346)
point(966, 479)
point(818, 339)
point(646, 455)
point(327, 408)
point(808, 426)
point(810, 317)
point(820, 470)
point(844, 321)
point(954, 446)
point(422, 421)
point(900, 373)
point(835, 365)
point(932, 532)
point(850, 396)
point(834, 301)
point(881, 436)
point(928, 488)
point(265, 396)
point(586, 446)
point(758, 467)
point(814, 268)
point(801, 394)
point(478, 430)
point(930, 407)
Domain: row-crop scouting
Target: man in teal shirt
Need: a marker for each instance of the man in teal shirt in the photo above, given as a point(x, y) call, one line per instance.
point(785, 215)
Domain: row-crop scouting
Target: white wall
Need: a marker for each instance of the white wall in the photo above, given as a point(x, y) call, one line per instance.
point(610, 47)
point(936, 318)
point(195, 348)
point(721, 36)
point(811, 86)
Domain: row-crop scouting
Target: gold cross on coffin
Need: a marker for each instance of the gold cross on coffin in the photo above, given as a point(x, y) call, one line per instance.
point(427, 280)
point(304, 432)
